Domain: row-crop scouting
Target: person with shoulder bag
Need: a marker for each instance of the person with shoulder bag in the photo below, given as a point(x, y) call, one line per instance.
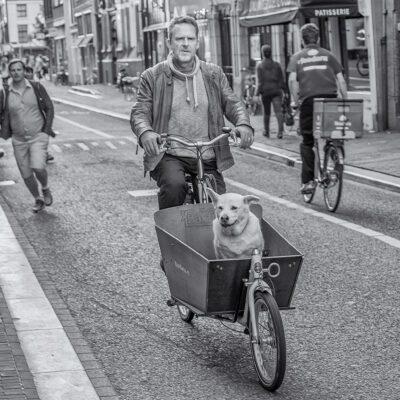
point(270, 85)
point(27, 115)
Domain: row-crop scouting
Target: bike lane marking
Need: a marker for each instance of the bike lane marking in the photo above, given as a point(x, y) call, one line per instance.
point(84, 127)
point(349, 225)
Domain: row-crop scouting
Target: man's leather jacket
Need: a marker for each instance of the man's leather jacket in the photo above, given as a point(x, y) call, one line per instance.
point(152, 109)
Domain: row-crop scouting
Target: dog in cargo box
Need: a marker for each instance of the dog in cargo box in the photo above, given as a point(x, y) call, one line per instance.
point(237, 231)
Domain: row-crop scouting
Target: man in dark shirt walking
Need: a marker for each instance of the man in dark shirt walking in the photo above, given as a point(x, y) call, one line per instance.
point(314, 72)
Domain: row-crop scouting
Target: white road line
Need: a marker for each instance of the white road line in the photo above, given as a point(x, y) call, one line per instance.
point(143, 193)
point(84, 127)
point(330, 218)
point(110, 145)
point(94, 109)
point(7, 183)
point(56, 148)
point(121, 142)
point(69, 145)
point(94, 144)
point(83, 146)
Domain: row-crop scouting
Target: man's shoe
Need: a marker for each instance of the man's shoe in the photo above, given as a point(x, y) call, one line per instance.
point(280, 135)
point(308, 188)
point(48, 198)
point(39, 205)
point(1, 153)
point(265, 133)
point(49, 157)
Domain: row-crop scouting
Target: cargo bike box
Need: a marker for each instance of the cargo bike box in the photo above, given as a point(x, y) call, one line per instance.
point(338, 118)
point(210, 286)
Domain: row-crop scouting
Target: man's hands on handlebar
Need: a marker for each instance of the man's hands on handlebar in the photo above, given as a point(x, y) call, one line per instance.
point(246, 135)
point(151, 140)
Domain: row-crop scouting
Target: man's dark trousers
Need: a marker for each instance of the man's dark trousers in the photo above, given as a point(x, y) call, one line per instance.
point(170, 177)
point(306, 130)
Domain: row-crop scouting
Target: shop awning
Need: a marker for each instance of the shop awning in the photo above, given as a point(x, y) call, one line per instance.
point(86, 41)
point(156, 27)
point(282, 16)
point(328, 8)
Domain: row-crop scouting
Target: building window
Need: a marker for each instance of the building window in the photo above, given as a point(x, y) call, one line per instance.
point(21, 10)
point(57, 3)
point(79, 23)
point(88, 23)
point(22, 33)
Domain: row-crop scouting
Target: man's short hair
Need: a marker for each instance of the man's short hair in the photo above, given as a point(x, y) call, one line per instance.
point(29, 69)
point(15, 61)
point(266, 50)
point(182, 20)
point(310, 33)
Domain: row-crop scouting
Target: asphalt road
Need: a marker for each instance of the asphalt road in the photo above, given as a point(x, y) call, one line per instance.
point(99, 246)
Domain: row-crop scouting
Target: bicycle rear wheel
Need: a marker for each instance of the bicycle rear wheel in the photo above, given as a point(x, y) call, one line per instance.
point(269, 352)
point(333, 177)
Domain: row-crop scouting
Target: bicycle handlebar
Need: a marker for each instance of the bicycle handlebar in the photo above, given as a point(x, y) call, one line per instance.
point(166, 139)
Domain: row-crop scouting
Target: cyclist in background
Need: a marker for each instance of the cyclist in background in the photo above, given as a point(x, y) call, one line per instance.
point(313, 72)
point(187, 97)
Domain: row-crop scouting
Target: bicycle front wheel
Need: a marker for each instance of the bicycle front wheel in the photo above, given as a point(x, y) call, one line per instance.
point(185, 313)
point(333, 177)
point(269, 351)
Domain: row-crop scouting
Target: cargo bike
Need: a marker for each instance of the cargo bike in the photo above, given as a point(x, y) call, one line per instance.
point(249, 291)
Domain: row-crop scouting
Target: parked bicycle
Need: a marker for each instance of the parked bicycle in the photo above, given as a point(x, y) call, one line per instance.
point(248, 291)
point(335, 121)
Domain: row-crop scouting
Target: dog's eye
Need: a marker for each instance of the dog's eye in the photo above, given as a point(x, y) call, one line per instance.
point(234, 208)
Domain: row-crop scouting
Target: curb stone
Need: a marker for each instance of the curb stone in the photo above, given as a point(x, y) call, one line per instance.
point(92, 367)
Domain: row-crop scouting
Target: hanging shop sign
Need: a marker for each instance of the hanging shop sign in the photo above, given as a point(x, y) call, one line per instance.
point(268, 12)
point(328, 8)
point(198, 9)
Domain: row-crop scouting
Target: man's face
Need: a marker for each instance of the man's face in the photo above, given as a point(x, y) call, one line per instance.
point(17, 72)
point(183, 43)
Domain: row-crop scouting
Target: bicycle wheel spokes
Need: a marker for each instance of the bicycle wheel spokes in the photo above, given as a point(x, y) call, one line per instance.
point(333, 178)
point(269, 352)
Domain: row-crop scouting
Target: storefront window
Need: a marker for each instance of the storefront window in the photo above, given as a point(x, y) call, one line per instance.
point(357, 54)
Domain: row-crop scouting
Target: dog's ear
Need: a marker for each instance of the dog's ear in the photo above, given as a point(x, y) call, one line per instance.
point(250, 199)
point(214, 196)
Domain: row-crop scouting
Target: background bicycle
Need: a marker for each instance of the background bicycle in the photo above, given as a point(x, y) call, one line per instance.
point(335, 120)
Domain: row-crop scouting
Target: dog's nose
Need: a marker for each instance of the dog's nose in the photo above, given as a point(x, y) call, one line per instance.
point(224, 218)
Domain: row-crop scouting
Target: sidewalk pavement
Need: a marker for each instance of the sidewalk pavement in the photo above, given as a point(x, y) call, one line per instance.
point(42, 352)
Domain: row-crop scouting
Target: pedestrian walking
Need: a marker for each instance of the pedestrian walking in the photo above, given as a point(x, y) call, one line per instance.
point(27, 115)
point(270, 85)
point(313, 72)
point(188, 97)
point(29, 74)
